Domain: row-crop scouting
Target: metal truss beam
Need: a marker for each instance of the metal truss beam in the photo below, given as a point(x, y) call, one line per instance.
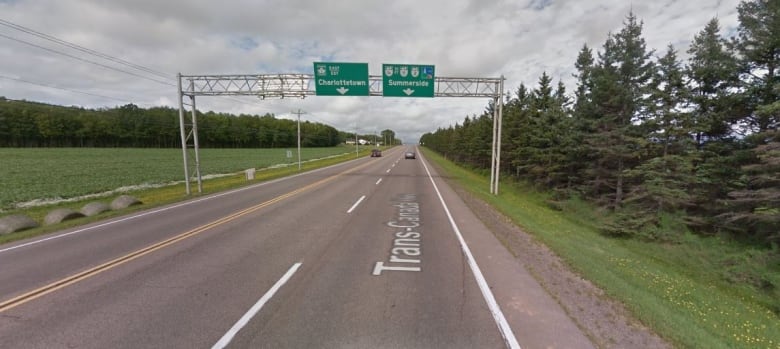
point(298, 85)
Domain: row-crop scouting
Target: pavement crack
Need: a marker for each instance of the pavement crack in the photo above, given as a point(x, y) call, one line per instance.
point(13, 318)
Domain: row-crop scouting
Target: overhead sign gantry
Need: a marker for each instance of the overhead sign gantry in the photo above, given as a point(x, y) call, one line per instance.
point(333, 79)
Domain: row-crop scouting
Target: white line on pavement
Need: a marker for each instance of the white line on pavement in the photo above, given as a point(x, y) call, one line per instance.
point(225, 340)
point(356, 204)
point(379, 181)
point(498, 315)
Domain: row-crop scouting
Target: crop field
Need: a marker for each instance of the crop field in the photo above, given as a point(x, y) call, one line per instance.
point(40, 174)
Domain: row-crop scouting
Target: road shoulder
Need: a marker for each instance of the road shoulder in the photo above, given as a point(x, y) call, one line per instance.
point(607, 323)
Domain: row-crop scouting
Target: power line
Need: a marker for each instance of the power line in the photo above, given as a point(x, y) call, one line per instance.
point(91, 52)
point(87, 61)
point(83, 49)
point(60, 88)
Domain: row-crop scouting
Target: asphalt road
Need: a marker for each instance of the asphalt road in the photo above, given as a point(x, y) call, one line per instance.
point(373, 253)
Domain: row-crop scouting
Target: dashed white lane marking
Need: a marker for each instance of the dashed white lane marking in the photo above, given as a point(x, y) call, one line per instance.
point(225, 340)
point(379, 181)
point(356, 204)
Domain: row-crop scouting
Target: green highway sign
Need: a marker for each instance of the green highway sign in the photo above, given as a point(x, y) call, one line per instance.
point(341, 79)
point(407, 80)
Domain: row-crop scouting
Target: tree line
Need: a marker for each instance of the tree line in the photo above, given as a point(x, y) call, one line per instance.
point(30, 124)
point(667, 146)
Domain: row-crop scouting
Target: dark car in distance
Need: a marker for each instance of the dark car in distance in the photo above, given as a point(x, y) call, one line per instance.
point(410, 155)
point(375, 153)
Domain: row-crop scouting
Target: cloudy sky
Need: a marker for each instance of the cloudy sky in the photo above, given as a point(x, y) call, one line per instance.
point(519, 39)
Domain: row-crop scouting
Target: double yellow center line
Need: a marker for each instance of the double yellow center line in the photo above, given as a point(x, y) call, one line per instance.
point(70, 280)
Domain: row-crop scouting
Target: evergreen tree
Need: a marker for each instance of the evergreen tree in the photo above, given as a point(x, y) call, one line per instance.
point(538, 133)
point(712, 74)
point(670, 127)
point(550, 124)
point(583, 115)
point(758, 46)
point(752, 208)
point(584, 66)
point(622, 82)
point(515, 131)
point(713, 77)
point(662, 181)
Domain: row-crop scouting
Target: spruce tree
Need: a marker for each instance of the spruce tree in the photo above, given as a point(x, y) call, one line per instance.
point(662, 181)
point(622, 82)
point(579, 157)
point(713, 77)
point(712, 74)
point(758, 46)
point(513, 130)
point(753, 207)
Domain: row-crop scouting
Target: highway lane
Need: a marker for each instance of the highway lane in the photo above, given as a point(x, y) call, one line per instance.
point(439, 306)
point(191, 292)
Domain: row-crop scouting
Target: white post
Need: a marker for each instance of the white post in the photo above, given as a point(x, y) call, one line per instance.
point(357, 147)
point(183, 136)
point(195, 139)
point(493, 154)
point(495, 162)
point(500, 121)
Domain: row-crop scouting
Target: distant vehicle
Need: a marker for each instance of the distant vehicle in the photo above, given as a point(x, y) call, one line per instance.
point(410, 155)
point(375, 153)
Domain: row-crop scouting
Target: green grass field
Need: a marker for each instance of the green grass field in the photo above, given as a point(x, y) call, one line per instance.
point(678, 290)
point(48, 173)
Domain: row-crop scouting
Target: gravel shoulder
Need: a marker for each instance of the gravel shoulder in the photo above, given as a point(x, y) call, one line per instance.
point(605, 321)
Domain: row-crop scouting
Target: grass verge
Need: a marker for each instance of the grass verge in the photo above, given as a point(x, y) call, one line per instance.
point(155, 197)
point(677, 290)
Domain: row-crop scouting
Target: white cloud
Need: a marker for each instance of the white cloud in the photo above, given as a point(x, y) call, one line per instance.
point(464, 38)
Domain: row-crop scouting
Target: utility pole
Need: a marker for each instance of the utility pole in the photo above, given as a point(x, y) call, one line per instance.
point(299, 112)
point(357, 148)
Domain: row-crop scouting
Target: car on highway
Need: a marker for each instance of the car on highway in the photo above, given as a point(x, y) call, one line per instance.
point(410, 155)
point(375, 153)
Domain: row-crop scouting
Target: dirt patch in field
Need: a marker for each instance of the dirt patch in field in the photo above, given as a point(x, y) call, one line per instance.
point(605, 321)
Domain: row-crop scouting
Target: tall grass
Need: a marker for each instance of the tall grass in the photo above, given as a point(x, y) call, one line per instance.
point(676, 289)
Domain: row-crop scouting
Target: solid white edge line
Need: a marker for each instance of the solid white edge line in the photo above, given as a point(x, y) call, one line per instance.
point(498, 315)
point(166, 208)
point(379, 181)
point(356, 204)
point(225, 340)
